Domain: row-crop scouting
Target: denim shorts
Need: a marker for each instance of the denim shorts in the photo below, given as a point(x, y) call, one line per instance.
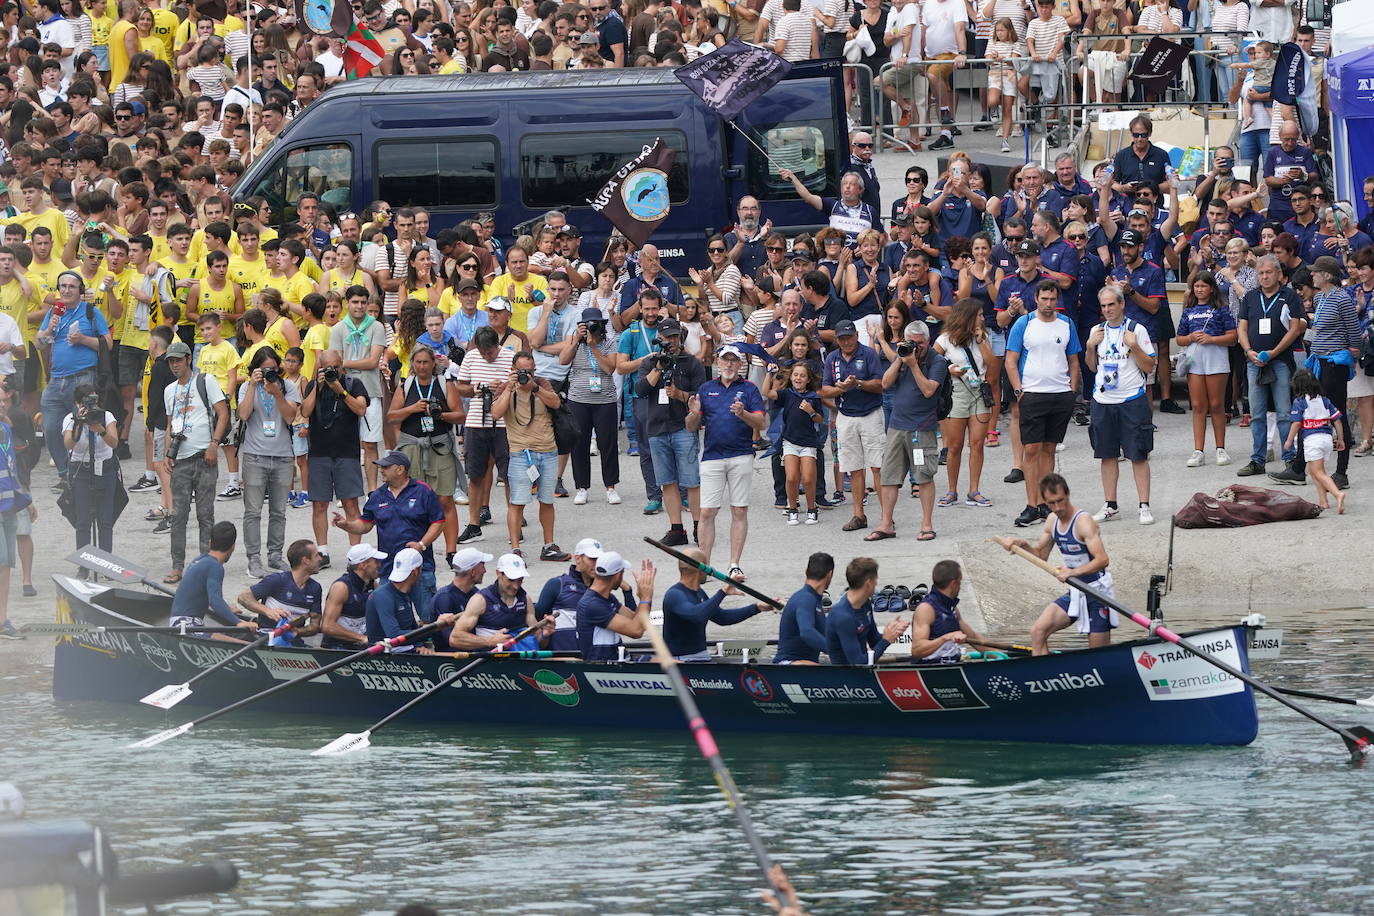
point(677, 459)
point(518, 479)
point(998, 339)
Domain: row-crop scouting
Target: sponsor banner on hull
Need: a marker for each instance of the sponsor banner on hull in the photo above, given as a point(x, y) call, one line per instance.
point(158, 654)
point(929, 689)
point(1170, 673)
point(560, 690)
point(639, 685)
point(1266, 643)
point(844, 694)
point(286, 667)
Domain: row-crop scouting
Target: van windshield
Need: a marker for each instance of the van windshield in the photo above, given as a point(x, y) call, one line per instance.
point(804, 147)
point(326, 169)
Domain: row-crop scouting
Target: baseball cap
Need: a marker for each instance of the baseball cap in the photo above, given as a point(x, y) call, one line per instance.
point(469, 557)
point(1129, 237)
point(464, 285)
point(1328, 265)
point(178, 350)
point(902, 219)
point(512, 566)
point(588, 547)
point(669, 327)
point(407, 561)
point(589, 38)
point(391, 458)
point(845, 328)
point(498, 304)
point(1028, 247)
point(766, 285)
point(593, 314)
point(361, 553)
point(61, 189)
point(571, 232)
point(610, 563)
point(138, 107)
point(730, 350)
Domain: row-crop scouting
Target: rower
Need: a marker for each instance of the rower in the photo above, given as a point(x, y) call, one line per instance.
point(201, 589)
point(345, 604)
point(937, 630)
point(561, 594)
point(1079, 541)
point(289, 594)
point(687, 610)
point(391, 608)
point(602, 619)
point(498, 611)
point(851, 633)
point(801, 632)
point(469, 569)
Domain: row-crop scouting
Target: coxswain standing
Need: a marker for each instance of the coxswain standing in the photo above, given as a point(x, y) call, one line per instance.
point(392, 609)
point(201, 589)
point(937, 630)
point(1079, 541)
point(602, 619)
point(851, 633)
point(801, 632)
point(345, 604)
point(498, 612)
point(687, 611)
point(561, 594)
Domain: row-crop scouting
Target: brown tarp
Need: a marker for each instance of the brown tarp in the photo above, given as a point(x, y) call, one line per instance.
point(1237, 506)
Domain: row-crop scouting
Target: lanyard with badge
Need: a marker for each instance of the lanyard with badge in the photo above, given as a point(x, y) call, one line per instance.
point(1266, 324)
point(181, 407)
point(1109, 370)
point(427, 420)
point(268, 406)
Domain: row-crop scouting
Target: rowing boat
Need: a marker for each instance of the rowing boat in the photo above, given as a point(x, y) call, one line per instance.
point(1142, 692)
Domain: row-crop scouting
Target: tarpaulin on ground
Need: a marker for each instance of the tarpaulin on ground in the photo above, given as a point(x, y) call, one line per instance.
point(1238, 506)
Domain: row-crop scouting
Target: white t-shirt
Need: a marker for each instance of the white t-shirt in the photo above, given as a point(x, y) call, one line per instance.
point(909, 15)
point(958, 359)
point(942, 18)
point(1119, 379)
point(188, 415)
point(1273, 23)
point(60, 32)
point(81, 448)
point(10, 334)
point(1045, 348)
point(332, 63)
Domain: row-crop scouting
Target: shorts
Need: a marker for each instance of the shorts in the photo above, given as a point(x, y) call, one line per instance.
point(159, 445)
point(799, 451)
point(132, 361)
point(1125, 430)
point(1208, 359)
point(1361, 386)
point(677, 459)
point(1099, 615)
point(1164, 330)
point(16, 378)
point(1045, 416)
point(518, 483)
point(484, 445)
point(334, 478)
point(899, 457)
point(370, 430)
point(861, 440)
point(968, 401)
point(300, 445)
point(908, 80)
point(1317, 447)
point(436, 466)
point(9, 538)
point(941, 71)
point(1002, 77)
point(998, 339)
point(1108, 69)
point(723, 478)
point(102, 57)
point(25, 528)
point(1045, 76)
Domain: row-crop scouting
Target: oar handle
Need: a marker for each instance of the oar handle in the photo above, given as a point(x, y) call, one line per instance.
point(255, 644)
point(714, 573)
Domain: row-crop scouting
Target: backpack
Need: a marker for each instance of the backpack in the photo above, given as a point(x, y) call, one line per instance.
point(944, 398)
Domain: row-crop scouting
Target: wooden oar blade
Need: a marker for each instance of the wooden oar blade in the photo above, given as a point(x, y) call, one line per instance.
point(344, 744)
point(167, 697)
point(162, 736)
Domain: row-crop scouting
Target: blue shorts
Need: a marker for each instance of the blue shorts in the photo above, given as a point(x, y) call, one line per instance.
point(102, 57)
point(677, 459)
point(998, 339)
point(1122, 430)
point(518, 479)
point(1099, 615)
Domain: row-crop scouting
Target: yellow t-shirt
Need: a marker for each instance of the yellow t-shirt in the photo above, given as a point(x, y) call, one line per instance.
point(316, 338)
point(449, 304)
point(155, 46)
point(14, 303)
point(276, 338)
point(251, 275)
point(337, 283)
point(312, 270)
point(165, 25)
point(267, 235)
point(101, 25)
point(51, 218)
point(43, 278)
point(160, 248)
point(453, 66)
point(183, 270)
point(122, 327)
point(217, 360)
point(521, 304)
point(199, 250)
point(247, 358)
point(222, 301)
point(295, 289)
point(119, 57)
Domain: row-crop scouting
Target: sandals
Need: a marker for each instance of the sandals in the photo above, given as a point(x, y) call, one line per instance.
point(879, 535)
point(156, 514)
point(976, 498)
point(993, 440)
point(1363, 449)
point(734, 572)
point(949, 499)
point(927, 534)
point(173, 577)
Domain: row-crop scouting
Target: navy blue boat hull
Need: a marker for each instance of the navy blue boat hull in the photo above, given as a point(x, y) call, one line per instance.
point(1145, 692)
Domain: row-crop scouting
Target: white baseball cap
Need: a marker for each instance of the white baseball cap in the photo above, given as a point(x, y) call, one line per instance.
point(610, 563)
point(498, 304)
point(588, 547)
point(407, 561)
point(730, 350)
point(469, 557)
point(512, 566)
point(361, 553)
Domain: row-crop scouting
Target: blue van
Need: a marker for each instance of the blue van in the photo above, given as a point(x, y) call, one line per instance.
point(521, 144)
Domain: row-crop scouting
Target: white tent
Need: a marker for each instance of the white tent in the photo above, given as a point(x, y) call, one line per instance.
point(1352, 26)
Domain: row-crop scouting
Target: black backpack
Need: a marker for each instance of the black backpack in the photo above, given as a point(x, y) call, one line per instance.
point(944, 402)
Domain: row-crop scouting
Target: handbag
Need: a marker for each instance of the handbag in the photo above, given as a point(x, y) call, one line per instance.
point(984, 387)
point(566, 429)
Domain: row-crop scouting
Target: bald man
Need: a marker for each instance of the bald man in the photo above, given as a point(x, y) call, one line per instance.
point(687, 611)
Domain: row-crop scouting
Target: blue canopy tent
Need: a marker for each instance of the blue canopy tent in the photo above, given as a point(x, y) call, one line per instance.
point(1350, 92)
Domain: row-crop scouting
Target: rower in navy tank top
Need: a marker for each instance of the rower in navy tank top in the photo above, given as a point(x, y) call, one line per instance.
point(937, 630)
point(469, 569)
point(560, 596)
point(498, 612)
point(345, 605)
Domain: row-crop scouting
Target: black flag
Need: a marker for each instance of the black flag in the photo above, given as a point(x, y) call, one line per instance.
point(1159, 64)
point(325, 17)
point(635, 199)
point(733, 75)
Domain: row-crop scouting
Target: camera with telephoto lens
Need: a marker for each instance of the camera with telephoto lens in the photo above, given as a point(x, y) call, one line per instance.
point(455, 353)
point(90, 404)
point(905, 348)
point(331, 374)
point(523, 376)
point(665, 361)
point(597, 328)
point(271, 376)
point(436, 407)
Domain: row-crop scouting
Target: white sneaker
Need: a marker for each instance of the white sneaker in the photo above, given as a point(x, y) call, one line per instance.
point(595, 451)
point(1006, 147)
point(1222, 457)
point(612, 497)
point(461, 498)
point(580, 499)
point(1106, 513)
point(1146, 516)
point(1196, 460)
point(1061, 446)
point(792, 518)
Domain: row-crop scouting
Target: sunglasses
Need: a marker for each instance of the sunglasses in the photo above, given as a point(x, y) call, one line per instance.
point(715, 250)
point(1013, 239)
point(1077, 238)
point(124, 117)
point(801, 256)
point(863, 146)
point(914, 180)
point(1139, 136)
point(460, 39)
point(408, 54)
point(467, 266)
point(777, 248)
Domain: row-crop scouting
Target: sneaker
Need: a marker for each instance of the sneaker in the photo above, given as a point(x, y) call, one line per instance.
point(1106, 513)
point(470, 533)
point(300, 501)
point(290, 497)
point(652, 507)
point(324, 559)
point(1006, 147)
point(580, 498)
point(230, 491)
point(944, 141)
point(123, 452)
point(484, 516)
point(1044, 511)
point(1061, 447)
point(275, 561)
point(554, 554)
point(822, 502)
point(983, 124)
point(836, 498)
point(612, 497)
point(632, 451)
point(559, 490)
point(164, 525)
point(1341, 481)
point(30, 591)
point(1195, 461)
point(944, 457)
point(792, 517)
point(1289, 476)
point(9, 631)
point(1146, 516)
point(255, 568)
point(1081, 417)
point(460, 498)
point(676, 537)
point(1029, 516)
point(1168, 405)
point(1251, 469)
point(143, 483)
point(1015, 476)
point(813, 516)
point(1222, 457)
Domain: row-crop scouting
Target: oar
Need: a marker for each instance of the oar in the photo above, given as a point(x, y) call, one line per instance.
point(1289, 691)
point(79, 629)
point(116, 568)
point(714, 573)
point(172, 694)
point(357, 741)
point(570, 655)
point(375, 649)
point(1357, 738)
point(707, 744)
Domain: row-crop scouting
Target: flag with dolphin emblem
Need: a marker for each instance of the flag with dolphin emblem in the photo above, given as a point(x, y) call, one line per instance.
point(635, 199)
point(325, 17)
point(733, 75)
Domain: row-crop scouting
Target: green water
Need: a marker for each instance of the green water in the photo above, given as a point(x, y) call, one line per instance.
point(511, 821)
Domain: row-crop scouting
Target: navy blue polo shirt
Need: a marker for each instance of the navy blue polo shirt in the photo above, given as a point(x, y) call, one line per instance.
point(1278, 161)
point(1013, 284)
point(671, 292)
point(958, 217)
point(1248, 225)
point(1148, 280)
point(1128, 167)
point(827, 316)
point(864, 365)
point(727, 436)
point(797, 425)
point(1303, 233)
point(402, 518)
point(1061, 257)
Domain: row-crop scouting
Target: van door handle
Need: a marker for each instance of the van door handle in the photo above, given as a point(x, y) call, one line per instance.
point(732, 173)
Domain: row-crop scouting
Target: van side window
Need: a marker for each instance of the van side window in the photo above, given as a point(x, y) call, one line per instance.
point(326, 169)
point(436, 173)
point(560, 170)
point(804, 147)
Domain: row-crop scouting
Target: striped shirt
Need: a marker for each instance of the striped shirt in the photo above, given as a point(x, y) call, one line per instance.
point(1335, 322)
point(796, 30)
point(1225, 18)
point(1043, 35)
point(1014, 10)
point(476, 371)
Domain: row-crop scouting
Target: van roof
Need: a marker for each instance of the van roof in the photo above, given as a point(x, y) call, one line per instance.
point(478, 82)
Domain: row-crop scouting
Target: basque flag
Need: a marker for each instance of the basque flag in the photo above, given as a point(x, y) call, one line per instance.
point(362, 52)
point(733, 75)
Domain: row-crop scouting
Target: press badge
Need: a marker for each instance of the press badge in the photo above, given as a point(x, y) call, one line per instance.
point(918, 457)
point(663, 395)
point(594, 384)
point(426, 425)
point(1110, 374)
point(269, 428)
point(1266, 326)
point(532, 472)
point(178, 426)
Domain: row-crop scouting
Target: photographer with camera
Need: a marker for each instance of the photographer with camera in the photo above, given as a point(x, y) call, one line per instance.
point(672, 377)
point(636, 345)
point(525, 405)
point(90, 436)
point(914, 378)
point(268, 404)
point(481, 376)
point(73, 328)
point(197, 423)
point(424, 411)
point(335, 402)
point(591, 356)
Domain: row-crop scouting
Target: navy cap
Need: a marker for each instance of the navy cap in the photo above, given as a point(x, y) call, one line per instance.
point(393, 458)
point(845, 328)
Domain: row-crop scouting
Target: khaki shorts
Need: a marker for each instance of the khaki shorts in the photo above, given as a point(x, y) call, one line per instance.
point(861, 441)
point(899, 457)
point(909, 80)
point(726, 478)
point(941, 71)
point(439, 468)
point(968, 402)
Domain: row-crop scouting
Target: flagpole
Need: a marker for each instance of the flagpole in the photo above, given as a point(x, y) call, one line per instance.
point(745, 134)
point(248, 30)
